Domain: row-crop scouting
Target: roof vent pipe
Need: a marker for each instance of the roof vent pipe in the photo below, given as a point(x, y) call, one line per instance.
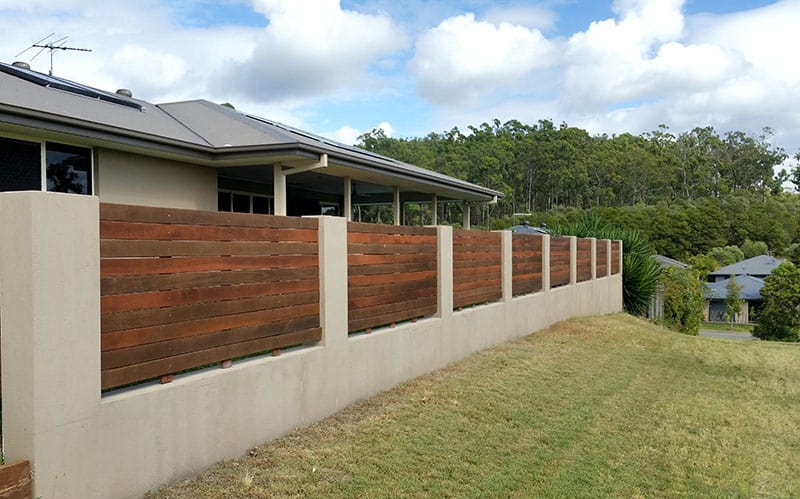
point(21, 64)
point(125, 92)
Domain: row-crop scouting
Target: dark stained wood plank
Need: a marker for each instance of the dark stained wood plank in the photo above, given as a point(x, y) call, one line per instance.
point(179, 232)
point(390, 249)
point(131, 213)
point(122, 248)
point(15, 480)
point(121, 376)
point(391, 287)
point(389, 298)
point(367, 280)
point(137, 266)
point(359, 324)
point(389, 229)
point(112, 285)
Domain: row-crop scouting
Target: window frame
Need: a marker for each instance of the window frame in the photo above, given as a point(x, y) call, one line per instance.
point(250, 195)
point(43, 158)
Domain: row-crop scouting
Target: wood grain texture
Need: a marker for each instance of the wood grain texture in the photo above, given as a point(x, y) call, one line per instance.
point(526, 264)
point(477, 267)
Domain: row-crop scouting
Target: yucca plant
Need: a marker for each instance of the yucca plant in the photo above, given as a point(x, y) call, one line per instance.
point(640, 272)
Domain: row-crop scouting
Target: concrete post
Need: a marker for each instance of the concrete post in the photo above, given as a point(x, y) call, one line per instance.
point(434, 210)
point(348, 199)
point(545, 262)
point(50, 313)
point(333, 279)
point(593, 246)
point(466, 222)
point(396, 206)
point(444, 268)
point(279, 190)
point(573, 260)
point(507, 260)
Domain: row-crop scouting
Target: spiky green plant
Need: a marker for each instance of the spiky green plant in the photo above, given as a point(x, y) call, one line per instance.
point(640, 272)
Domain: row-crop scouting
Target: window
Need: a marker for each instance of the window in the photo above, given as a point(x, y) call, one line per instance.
point(20, 165)
point(244, 202)
point(69, 168)
point(65, 168)
point(331, 209)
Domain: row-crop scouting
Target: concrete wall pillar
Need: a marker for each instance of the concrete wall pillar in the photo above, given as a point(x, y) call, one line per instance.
point(333, 280)
point(50, 313)
point(279, 190)
point(507, 260)
point(573, 260)
point(444, 267)
point(396, 206)
point(466, 224)
point(434, 210)
point(593, 247)
point(545, 262)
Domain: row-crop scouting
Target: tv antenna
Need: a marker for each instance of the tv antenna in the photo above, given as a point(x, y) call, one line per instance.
point(51, 43)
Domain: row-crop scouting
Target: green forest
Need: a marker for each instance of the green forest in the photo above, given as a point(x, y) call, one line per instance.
point(688, 193)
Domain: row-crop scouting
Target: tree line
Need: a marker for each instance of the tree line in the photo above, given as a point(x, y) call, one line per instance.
point(688, 192)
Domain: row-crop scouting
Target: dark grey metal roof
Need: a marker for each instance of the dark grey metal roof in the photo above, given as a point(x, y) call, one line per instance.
point(526, 228)
point(761, 265)
point(751, 288)
point(197, 128)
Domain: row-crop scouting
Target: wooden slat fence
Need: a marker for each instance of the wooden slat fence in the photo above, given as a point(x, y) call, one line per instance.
point(602, 257)
point(185, 288)
point(526, 264)
point(559, 261)
point(15, 480)
point(616, 246)
point(477, 267)
point(584, 260)
point(391, 273)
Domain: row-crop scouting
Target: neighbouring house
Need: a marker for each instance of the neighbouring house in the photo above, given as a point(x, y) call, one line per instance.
point(758, 266)
point(750, 294)
point(655, 311)
point(59, 135)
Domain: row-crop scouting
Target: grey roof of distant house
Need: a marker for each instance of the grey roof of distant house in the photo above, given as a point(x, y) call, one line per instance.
point(666, 261)
point(761, 265)
point(198, 127)
point(751, 288)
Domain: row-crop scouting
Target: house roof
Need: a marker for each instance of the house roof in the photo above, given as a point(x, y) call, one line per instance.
point(751, 288)
point(666, 261)
point(761, 265)
point(197, 130)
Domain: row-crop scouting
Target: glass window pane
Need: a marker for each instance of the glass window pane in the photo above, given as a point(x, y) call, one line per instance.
point(224, 201)
point(20, 165)
point(241, 203)
point(261, 205)
point(69, 168)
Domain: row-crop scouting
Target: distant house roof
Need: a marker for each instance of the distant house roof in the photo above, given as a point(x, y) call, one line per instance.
point(666, 261)
point(198, 130)
point(761, 265)
point(526, 228)
point(751, 288)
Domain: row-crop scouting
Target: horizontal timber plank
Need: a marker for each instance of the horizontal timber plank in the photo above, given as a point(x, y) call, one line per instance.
point(392, 287)
point(464, 299)
point(151, 334)
point(466, 272)
point(428, 292)
point(129, 374)
point(354, 261)
point(113, 285)
point(367, 280)
point(130, 213)
point(136, 266)
point(124, 302)
point(122, 248)
point(389, 308)
point(372, 237)
point(390, 249)
point(488, 283)
point(182, 313)
point(179, 232)
point(396, 268)
point(485, 262)
point(15, 480)
point(357, 227)
point(359, 324)
point(152, 351)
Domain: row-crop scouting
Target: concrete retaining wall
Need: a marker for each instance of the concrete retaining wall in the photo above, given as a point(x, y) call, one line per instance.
point(84, 445)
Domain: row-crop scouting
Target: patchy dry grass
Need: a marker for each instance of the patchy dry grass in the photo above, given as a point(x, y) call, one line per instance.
point(609, 406)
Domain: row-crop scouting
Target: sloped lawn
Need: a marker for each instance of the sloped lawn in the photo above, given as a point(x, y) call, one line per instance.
point(610, 406)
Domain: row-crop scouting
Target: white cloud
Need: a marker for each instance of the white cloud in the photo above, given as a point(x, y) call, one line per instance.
point(530, 16)
point(146, 69)
point(310, 48)
point(349, 135)
point(462, 59)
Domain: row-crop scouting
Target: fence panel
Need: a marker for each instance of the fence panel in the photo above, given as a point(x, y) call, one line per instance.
point(526, 264)
point(391, 274)
point(615, 250)
point(477, 267)
point(602, 257)
point(15, 480)
point(584, 260)
point(183, 288)
point(559, 261)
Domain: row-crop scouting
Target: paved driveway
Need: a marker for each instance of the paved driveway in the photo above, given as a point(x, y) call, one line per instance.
point(723, 335)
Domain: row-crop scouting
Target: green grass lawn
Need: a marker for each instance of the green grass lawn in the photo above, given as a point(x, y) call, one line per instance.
point(610, 406)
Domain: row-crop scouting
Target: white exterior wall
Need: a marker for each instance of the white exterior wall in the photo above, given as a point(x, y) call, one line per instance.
point(127, 178)
point(82, 445)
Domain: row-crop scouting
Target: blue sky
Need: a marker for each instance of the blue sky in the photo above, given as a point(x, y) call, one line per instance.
point(340, 68)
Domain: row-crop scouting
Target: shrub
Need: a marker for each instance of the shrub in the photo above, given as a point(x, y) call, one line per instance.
point(683, 300)
point(779, 317)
